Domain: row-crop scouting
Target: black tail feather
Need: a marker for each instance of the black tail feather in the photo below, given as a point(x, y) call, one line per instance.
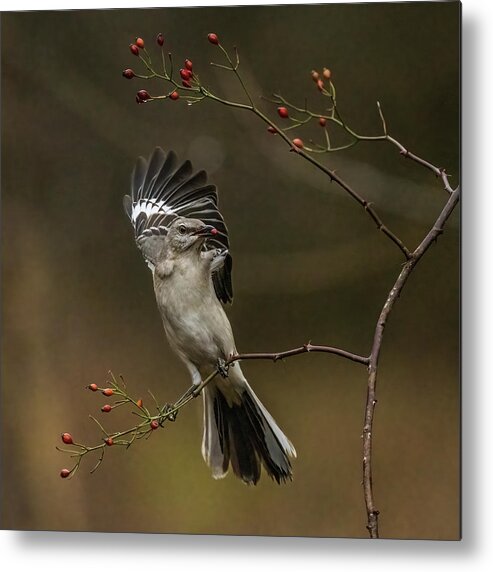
point(247, 441)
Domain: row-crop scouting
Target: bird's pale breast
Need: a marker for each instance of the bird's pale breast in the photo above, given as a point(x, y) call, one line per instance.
point(193, 318)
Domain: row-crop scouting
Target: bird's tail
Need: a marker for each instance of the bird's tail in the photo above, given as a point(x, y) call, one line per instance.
point(241, 432)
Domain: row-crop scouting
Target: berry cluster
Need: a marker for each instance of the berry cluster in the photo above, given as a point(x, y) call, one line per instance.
point(317, 78)
point(284, 111)
point(188, 87)
point(188, 80)
point(147, 425)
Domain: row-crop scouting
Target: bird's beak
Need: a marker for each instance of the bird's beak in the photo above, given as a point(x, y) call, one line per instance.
point(205, 231)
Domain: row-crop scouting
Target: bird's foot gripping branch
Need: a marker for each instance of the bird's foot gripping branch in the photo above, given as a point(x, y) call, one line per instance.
point(286, 121)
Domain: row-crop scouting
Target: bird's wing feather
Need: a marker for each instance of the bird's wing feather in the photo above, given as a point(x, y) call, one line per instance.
point(162, 190)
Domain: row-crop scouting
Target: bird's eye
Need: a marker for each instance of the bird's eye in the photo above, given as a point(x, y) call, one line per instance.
point(182, 229)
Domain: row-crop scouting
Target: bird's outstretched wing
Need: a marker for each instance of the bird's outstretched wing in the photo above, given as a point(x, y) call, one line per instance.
point(163, 189)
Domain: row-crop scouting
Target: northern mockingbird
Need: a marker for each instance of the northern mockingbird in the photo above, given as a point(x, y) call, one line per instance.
point(184, 240)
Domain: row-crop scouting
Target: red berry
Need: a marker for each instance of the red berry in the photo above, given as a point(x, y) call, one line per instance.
point(186, 83)
point(185, 74)
point(128, 73)
point(134, 49)
point(315, 75)
point(326, 73)
point(92, 387)
point(109, 441)
point(214, 231)
point(213, 39)
point(140, 403)
point(64, 473)
point(322, 121)
point(298, 143)
point(139, 42)
point(67, 438)
point(106, 408)
point(154, 424)
point(189, 65)
point(174, 96)
point(108, 392)
point(320, 85)
point(160, 39)
point(283, 112)
point(143, 95)
point(272, 130)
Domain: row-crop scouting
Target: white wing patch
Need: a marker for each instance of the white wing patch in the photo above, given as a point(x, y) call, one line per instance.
point(150, 207)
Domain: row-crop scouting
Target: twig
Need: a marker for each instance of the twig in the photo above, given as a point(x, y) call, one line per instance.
point(384, 123)
point(301, 350)
point(368, 138)
point(434, 169)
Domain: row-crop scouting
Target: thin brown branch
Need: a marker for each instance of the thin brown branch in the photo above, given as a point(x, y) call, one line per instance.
point(307, 348)
point(367, 206)
point(430, 238)
point(433, 168)
point(333, 176)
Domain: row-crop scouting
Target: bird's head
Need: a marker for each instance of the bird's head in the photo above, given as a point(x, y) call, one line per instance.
point(188, 233)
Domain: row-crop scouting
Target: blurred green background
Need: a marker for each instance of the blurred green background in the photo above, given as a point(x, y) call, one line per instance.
point(308, 265)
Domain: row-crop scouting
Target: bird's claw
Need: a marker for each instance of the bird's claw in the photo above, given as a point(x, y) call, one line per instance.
point(222, 368)
point(166, 415)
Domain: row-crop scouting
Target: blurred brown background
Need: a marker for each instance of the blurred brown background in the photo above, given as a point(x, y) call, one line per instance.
point(78, 300)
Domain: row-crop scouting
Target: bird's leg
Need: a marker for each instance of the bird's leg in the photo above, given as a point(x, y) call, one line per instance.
point(222, 368)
